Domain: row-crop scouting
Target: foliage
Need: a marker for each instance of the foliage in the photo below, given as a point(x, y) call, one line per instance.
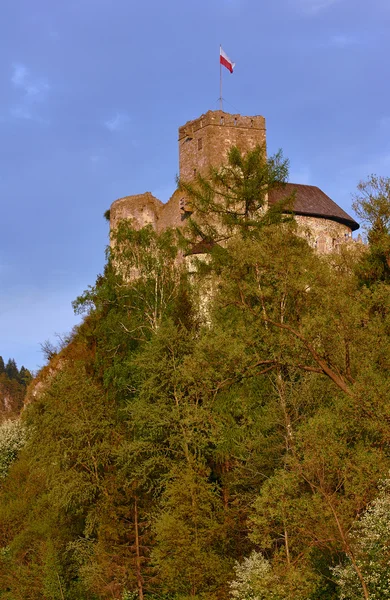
point(13, 386)
point(371, 546)
point(254, 579)
point(372, 205)
point(232, 198)
point(12, 439)
point(164, 448)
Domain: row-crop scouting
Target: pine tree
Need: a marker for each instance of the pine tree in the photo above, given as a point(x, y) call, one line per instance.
point(11, 369)
point(232, 199)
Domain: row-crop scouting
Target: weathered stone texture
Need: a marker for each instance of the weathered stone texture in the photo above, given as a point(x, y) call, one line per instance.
point(171, 214)
point(206, 141)
point(143, 209)
point(323, 234)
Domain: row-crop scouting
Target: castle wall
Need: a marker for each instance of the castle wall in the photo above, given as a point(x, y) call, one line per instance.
point(323, 234)
point(171, 214)
point(206, 141)
point(143, 209)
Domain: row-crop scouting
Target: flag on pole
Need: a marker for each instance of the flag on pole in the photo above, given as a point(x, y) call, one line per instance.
point(225, 60)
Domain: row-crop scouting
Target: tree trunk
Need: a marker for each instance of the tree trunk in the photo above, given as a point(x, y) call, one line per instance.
point(138, 553)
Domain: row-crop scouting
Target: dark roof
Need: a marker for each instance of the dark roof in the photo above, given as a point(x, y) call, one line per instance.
point(202, 247)
point(313, 202)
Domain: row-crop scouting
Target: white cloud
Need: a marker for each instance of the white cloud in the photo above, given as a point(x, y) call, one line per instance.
point(118, 122)
point(314, 6)
point(34, 88)
point(342, 41)
point(19, 75)
point(21, 112)
point(384, 124)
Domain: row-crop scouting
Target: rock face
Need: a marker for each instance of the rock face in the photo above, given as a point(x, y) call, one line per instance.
point(204, 142)
point(11, 397)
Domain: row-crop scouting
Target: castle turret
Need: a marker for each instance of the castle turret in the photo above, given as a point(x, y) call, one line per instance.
point(142, 209)
point(206, 141)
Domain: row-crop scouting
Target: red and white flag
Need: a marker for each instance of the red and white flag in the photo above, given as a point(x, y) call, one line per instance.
point(225, 60)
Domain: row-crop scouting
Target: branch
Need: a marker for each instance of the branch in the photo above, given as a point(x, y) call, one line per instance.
point(325, 368)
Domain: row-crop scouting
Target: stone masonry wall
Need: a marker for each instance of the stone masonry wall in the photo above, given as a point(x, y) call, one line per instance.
point(323, 234)
point(205, 142)
point(143, 209)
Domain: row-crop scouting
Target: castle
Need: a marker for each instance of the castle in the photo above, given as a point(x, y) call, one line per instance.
point(204, 142)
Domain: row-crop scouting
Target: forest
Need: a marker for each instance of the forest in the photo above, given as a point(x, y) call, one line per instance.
point(13, 386)
point(215, 428)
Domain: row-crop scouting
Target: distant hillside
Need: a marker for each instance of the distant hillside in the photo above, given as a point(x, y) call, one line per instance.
point(13, 385)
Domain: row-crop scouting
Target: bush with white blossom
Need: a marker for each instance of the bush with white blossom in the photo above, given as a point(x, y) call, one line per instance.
point(371, 547)
point(254, 579)
point(12, 438)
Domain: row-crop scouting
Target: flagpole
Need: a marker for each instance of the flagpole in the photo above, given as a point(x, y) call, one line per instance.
point(220, 79)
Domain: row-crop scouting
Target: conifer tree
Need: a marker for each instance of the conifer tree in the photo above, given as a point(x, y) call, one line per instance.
point(233, 198)
point(11, 369)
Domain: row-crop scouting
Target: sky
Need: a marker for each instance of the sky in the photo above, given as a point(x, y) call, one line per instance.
point(92, 93)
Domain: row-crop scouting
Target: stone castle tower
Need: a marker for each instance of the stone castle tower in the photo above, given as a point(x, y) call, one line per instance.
point(204, 142)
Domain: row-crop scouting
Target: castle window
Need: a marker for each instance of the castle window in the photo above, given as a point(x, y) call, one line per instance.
point(235, 121)
point(251, 122)
point(200, 144)
point(222, 121)
point(321, 243)
point(194, 172)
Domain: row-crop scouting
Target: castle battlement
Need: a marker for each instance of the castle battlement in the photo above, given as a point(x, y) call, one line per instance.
point(221, 119)
point(205, 142)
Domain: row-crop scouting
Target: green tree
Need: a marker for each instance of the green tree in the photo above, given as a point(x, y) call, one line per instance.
point(372, 205)
point(190, 538)
point(370, 540)
point(11, 370)
point(232, 198)
point(25, 376)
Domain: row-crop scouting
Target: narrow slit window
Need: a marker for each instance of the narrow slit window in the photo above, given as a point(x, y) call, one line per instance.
point(200, 143)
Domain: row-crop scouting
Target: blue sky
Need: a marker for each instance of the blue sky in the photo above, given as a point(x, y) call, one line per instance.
point(92, 93)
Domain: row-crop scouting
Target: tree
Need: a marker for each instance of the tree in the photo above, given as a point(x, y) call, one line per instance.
point(12, 439)
point(25, 376)
point(256, 579)
point(372, 205)
point(370, 540)
point(11, 370)
point(190, 538)
point(232, 198)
